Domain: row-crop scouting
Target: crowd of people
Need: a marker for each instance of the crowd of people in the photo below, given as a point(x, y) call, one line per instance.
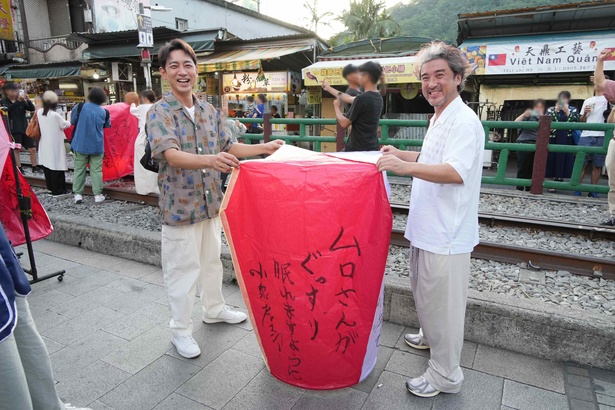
point(597, 109)
point(193, 144)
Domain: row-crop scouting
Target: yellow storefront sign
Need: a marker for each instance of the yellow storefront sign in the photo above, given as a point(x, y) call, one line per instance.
point(398, 70)
point(314, 95)
point(6, 21)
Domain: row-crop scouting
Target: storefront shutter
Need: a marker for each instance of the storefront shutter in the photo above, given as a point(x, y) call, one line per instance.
point(59, 16)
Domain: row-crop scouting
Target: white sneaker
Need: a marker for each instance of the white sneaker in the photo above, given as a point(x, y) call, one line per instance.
point(99, 198)
point(78, 199)
point(227, 315)
point(419, 386)
point(69, 406)
point(186, 346)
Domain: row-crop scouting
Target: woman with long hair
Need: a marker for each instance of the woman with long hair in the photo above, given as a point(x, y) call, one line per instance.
point(146, 182)
point(51, 151)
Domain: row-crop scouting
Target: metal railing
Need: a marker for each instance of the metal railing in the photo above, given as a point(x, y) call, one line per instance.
point(45, 44)
point(542, 147)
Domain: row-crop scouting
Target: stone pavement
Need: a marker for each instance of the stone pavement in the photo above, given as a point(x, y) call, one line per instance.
point(106, 327)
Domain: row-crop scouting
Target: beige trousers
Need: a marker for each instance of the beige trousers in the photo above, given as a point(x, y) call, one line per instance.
point(440, 288)
point(190, 264)
point(610, 170)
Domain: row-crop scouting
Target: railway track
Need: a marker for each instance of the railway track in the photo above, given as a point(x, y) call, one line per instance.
point(493, 219)
point(535, 258)
point(110, 192)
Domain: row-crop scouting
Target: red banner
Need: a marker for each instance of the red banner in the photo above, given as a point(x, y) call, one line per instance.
point(119, 142)
point(309, 240)
point(39, 225)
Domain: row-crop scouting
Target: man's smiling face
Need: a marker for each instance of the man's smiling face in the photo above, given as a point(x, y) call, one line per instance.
point(180, 71)
point(439, 83)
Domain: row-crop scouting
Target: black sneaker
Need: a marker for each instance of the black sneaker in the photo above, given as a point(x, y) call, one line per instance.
point(609, 222)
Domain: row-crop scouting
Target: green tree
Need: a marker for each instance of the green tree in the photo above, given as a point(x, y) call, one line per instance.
point(315, 17)
point(366, 19)
point(438, 18)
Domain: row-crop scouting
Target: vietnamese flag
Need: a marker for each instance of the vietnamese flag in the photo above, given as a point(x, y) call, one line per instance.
point(611, 55)
point(497, 59)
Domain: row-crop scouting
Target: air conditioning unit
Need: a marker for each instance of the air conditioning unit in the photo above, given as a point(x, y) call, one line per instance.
point(121, 72)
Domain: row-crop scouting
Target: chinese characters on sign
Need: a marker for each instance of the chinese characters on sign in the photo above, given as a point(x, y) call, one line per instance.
point(396, 70)
point(535, 56)
point(312, 284)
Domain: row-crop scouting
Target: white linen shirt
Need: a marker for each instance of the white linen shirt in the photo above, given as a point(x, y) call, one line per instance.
point(443, 218)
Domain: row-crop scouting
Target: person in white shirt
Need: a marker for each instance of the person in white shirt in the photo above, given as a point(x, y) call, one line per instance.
point(443, 219)
point(592, 112)
point(146, 182)
point(51, 151)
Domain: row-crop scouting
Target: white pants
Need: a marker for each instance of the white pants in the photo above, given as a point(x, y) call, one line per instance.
point(610, 170)
point(26, 381)
point(440, 288)
point(190, 263)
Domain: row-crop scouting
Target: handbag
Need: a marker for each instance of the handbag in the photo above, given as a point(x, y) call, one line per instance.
point(34, 130)
point(147, 161)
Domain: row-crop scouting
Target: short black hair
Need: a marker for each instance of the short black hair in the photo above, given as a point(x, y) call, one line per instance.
point(149, 95)
point(175, 44)
point(372, 69)
point(349, 69)
point(565, 94)
point(275, 108)
point(10, 86)
point(97, 96)
point(250, 99)
point(263, 98)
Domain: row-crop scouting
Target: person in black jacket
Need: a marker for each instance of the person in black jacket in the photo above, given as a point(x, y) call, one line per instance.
point(16, 102)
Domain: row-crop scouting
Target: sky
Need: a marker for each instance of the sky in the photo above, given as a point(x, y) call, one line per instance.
point(292, 11)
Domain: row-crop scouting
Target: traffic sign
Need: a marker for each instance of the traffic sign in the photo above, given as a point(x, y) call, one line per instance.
point(146, 36)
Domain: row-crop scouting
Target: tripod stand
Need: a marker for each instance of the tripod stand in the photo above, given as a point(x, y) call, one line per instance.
point(25, 212)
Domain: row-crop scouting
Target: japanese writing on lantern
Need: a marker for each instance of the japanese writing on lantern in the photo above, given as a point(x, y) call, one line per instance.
point(284, 288)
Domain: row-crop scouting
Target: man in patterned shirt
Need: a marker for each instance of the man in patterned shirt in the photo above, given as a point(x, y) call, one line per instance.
point(190, 142)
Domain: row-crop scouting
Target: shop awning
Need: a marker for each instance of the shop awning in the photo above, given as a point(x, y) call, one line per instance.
point(43, 71)
point(398, 70)
point(245, 59)
point(201, 42)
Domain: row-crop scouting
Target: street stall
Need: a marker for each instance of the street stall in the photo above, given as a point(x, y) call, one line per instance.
point(524, 54)
point(513, 71)
point(403, 97)
point(271, 66)
point(64, 78)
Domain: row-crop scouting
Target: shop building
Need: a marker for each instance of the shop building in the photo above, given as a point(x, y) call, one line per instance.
point(521, 55)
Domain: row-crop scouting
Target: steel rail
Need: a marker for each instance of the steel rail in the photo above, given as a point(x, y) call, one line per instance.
point(494, 219)
point(534, 258)
point(110, 192)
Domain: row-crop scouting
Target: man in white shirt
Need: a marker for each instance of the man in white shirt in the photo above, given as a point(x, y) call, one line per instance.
point(443, 219)
point(592, 112)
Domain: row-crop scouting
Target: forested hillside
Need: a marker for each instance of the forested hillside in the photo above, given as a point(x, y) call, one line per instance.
point(438, 18)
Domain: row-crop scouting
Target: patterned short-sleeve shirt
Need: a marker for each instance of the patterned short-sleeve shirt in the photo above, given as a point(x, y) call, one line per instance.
point(187, 196)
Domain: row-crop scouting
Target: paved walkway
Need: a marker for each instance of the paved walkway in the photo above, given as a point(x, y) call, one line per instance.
point(106, 327)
